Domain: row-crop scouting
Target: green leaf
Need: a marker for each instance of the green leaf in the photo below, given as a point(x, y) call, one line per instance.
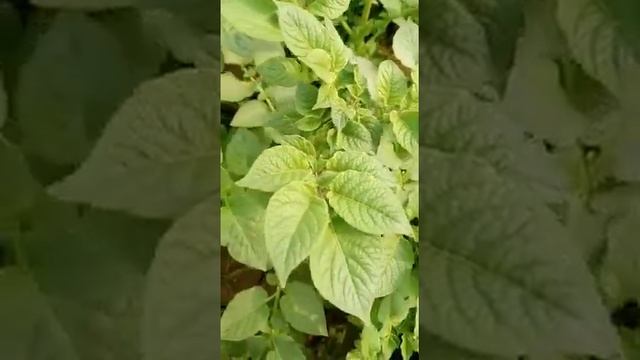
point(295, 221)
point(538, 101)
point(303, 309)
point(366, 204)
point(512, 263)
point(285, 348)
point(92, 5)
point(405, 45)
point(347, 267)
point(458, 53)
point(277, 322)
point(280, 71)
point(246, 314)
point(397, 267)
point(386, 152)
point(276, 167)
point(242, 150)
point(370, 343)
point(69, 87)
point(394, 308)
point(336, 47)
point(155, 156)
point(340, 114)
point(256, 18)
point(266, 50)
point(596, 41)
point(331, 9)
point(405, 128)
point(242, 228)
point(302, 32)
point(255, 347)
point(391, 84)
point(226, 183)
point(327, 95)
point(393, 7)
point(233, 90)
point(358, 161)
point(185, 261)
point(253, 113)
point(368, 72)
point(306, 97)
point(354, 137)
point(321, 63)
point(237, 47)
point(408, 346)
point(309, 123)
point(301, 144)
point(30, 329)
point(413, 199)
point(283, 98)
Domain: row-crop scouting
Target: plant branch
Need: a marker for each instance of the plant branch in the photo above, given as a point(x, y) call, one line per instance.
point(366, 11)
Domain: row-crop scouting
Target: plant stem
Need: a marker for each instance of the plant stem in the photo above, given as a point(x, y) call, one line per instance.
point(366, 11)
point(346, 26)
point(276, 301)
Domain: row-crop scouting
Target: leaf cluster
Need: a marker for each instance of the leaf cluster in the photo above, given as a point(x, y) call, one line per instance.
point(320, 176)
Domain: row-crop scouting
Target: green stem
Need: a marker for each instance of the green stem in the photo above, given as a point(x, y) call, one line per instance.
point(346, 27)
point(366, 11)
point(263, 92)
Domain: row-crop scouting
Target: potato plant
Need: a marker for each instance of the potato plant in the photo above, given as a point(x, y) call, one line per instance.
point(319, 178)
